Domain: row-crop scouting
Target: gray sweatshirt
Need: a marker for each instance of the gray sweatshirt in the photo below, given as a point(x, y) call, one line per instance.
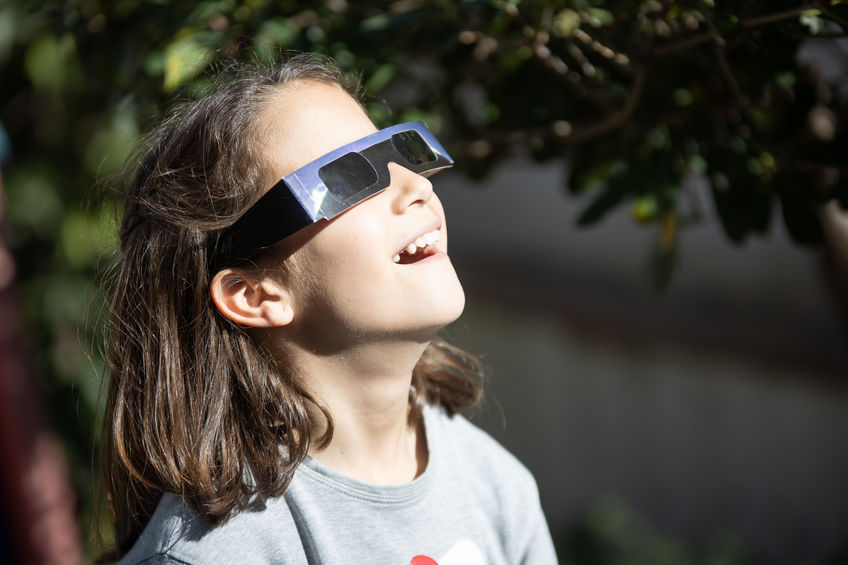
point(475, 504)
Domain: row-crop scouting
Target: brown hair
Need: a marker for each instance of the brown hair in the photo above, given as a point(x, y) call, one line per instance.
point(195, 406)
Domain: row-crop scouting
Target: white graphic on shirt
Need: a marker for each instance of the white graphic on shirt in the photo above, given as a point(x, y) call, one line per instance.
point(464, 552)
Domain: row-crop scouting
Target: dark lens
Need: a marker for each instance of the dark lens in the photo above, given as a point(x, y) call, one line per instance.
point(348, 175)
point(413, 147)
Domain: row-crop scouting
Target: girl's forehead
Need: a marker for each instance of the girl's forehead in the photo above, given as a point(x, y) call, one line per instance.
point(308, 120)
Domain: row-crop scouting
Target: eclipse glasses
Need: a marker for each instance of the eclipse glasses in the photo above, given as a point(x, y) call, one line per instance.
point(328, 186)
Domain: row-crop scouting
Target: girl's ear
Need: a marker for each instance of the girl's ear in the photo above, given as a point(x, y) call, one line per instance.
point(254, 301)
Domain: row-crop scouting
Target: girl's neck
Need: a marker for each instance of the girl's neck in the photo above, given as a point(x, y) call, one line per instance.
point(382, 455)
point(366, 391)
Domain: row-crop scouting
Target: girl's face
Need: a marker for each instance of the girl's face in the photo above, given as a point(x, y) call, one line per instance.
point(345, 278)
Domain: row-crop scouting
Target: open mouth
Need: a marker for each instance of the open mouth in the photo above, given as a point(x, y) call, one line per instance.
point(423, 246)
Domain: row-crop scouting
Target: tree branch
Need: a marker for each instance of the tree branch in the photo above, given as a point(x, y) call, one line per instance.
point(614, 120)
point(746, 24)
point(777, 16)
point(724, 66)
point(684, 44)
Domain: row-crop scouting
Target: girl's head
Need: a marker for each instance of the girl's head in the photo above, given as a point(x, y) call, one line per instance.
point(341, 284)
point(201, 395)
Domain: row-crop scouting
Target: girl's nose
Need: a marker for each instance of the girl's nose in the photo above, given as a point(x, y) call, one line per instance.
point(408, 188)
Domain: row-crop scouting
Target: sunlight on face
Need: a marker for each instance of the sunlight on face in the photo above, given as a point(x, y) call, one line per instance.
point(351, 278)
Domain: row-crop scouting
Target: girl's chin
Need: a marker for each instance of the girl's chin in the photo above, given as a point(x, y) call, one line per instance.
point(439, 314)
point(450, 308)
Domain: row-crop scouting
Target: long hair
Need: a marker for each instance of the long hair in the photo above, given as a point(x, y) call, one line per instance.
point(195, 406)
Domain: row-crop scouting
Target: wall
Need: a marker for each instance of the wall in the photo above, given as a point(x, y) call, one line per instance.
point(719, 405)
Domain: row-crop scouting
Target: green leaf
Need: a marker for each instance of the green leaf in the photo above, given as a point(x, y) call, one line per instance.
point(85, 237)
point(605, 17)
point(64, 299)
point(565, 22)
point(785, 80)
point(111, 145)
point(597, 175)
point(731, 212)
point(738, 144)
point(33, 204)
point(800, 216)
point(380, 78)
point(154, 64)
point(7, 32)
point(696, 164)
point(645, 208)
point(50, 62)
point(812, 21)
point(343, 57)
point(760, 209)
point(379, 113)
point(433, 121)
point(610, 197)
point(208, 9)
point(375, 23)
point(186, 57)
point(275, 34)
point(683, 97)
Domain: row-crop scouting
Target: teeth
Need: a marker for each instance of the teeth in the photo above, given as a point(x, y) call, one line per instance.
point(421, 242)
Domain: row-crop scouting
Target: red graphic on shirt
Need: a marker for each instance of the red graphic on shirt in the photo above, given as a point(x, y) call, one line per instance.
point(423, 560)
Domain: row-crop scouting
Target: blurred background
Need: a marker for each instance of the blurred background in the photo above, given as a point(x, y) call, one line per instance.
point(646, 214)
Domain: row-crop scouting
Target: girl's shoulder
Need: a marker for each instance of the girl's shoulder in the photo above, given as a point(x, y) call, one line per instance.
point(462, 445)
point(176, 533)
point(481, 478)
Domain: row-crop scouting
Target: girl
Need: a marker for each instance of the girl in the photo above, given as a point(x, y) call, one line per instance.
point(277, 391)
